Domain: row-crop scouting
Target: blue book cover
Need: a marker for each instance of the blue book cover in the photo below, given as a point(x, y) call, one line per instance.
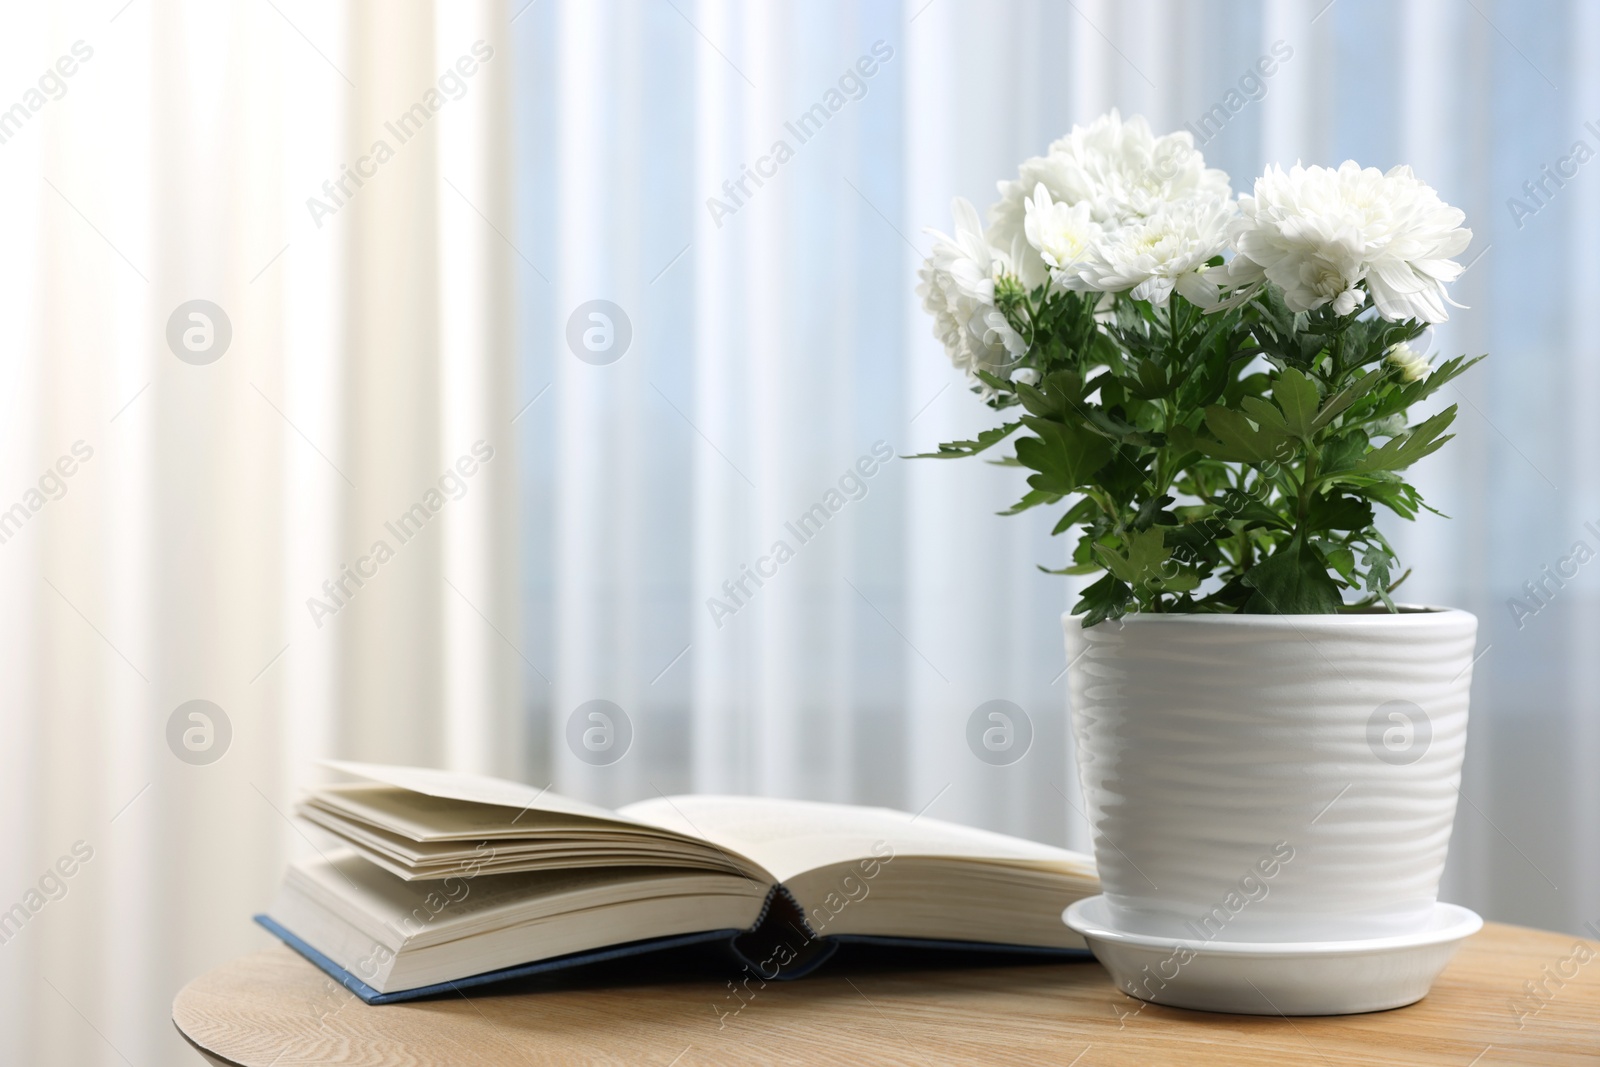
point(780, 947)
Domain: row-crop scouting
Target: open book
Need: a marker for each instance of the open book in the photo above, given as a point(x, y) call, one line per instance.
point(455, 879)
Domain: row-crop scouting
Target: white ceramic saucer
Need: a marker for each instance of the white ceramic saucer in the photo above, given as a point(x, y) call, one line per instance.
point(1262, 978)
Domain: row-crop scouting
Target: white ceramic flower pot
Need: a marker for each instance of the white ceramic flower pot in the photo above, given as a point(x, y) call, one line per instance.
point(1271, 778)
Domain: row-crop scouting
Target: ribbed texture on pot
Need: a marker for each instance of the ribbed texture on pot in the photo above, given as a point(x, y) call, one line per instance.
point(1209, 746)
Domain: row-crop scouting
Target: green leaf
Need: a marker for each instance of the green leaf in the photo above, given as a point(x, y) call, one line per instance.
point(1183, 439)
point(994, 381)
point(1032, 499)
point(1150, 380)
point(1379, 561)
point(984, 440)
point(1344, 453)
point(1153, 512)
point(1292, 581)
point(1182, 582)
point(1127, 474)
point(1146, 552)
point(1265, 414)
point(1111, 391)
point(1108, 598)
point(1403, 499)
point(1252, 512)
point(1250, 385)
point(1403, 451)
point(1037, 403)
point(1230, 599)
point(1441, 376)
point(1336, 511)
point(1059, 396)
point(1238, 440)
point(1297, 396)
point(1340, 559)
point(1119, 429)
point(1338, 402)
point(1065, 455)
point(1078, 514)
point(1066, 384)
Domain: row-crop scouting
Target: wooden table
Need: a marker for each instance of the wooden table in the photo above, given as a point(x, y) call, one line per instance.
point(274, 1008)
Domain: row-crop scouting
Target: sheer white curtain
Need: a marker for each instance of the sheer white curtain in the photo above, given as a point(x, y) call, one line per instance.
point(775, 338)
point(776, 358)
point(209, 501)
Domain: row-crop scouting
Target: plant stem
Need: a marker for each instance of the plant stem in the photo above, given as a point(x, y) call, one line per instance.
point(1307, 486)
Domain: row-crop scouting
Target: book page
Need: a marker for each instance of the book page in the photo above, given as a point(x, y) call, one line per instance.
point(474, 789)
point(423, 817)
point(398, 816)
point(399, 913)
point(789, 837)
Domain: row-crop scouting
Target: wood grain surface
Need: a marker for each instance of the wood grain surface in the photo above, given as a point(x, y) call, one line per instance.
point(273, 1008)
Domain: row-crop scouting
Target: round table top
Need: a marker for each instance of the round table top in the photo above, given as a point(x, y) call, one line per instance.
point(1510, 996)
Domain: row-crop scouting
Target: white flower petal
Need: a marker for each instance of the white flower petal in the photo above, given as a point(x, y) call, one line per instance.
point(1317, 232)
point(1119, 170)
point(956, 284)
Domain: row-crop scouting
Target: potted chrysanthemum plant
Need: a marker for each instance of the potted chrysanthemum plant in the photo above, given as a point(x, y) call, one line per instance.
point(1216, 393)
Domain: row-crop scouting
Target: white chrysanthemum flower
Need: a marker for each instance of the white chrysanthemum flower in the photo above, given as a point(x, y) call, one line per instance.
point(1411, 365)
point(957, 289)
point(1158, 254)
point(1120, 169)
point(1062, 234)
point(1336, 236)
